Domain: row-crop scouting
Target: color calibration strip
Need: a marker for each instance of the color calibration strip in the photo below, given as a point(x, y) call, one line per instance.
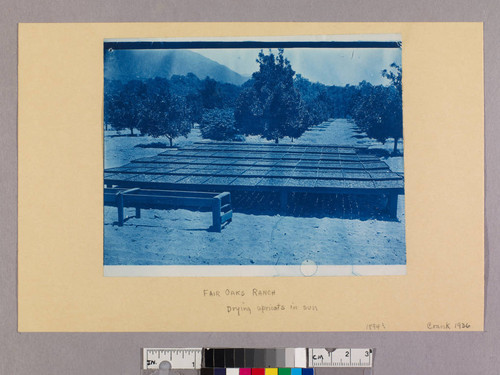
point(257, 371)
point(245, 361)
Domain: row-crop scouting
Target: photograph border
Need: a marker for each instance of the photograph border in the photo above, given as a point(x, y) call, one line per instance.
point(308, 268)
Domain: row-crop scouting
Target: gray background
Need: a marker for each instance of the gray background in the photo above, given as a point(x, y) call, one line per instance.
point(118, 353)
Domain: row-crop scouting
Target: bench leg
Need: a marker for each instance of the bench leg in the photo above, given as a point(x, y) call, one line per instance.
point(119, 205)
point(138, 212)
point(392, 205)
point(216, 219)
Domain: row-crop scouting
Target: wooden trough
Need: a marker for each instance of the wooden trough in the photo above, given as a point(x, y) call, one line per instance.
point(283, 169)
point(162, 199)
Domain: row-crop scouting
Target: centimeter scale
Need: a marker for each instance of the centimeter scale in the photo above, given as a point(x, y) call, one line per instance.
point(230, 361)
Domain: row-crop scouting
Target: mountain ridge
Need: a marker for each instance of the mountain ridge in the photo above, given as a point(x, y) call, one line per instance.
point(126, 65)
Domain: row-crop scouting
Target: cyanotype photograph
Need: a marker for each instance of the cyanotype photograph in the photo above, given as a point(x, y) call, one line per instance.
point(254, 157)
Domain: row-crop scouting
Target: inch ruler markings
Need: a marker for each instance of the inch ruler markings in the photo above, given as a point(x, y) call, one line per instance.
point(179, 358)
point(193, 358)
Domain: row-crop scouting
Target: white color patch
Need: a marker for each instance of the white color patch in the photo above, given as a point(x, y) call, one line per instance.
point(301, 357)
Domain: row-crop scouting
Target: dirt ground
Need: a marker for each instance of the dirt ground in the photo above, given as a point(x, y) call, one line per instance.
point(181, 237)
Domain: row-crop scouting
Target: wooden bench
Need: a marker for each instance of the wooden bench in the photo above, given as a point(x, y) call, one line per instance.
point(220, 203)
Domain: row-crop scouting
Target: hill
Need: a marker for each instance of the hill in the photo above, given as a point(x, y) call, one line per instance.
point(126, 65)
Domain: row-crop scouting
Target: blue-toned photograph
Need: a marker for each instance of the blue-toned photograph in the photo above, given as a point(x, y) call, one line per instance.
point(254, 157)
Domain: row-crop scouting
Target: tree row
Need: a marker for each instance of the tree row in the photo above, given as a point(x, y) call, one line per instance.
point(273, 104)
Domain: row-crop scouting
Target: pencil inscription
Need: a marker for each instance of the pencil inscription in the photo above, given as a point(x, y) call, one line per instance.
point(239, 310)
point(254, 292)
point(439, 326)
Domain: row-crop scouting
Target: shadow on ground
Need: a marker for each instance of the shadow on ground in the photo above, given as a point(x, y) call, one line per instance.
point(341, 206)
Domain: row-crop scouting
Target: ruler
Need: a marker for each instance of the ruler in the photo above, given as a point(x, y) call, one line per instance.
point(340, 357)
point(179, 358)
point(193, 358)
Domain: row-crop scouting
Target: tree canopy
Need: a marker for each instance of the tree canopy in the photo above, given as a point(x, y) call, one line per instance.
point(318, 104)
point(378, 110)
point(167, 115)
point(271, 106)
point(151, 108)
point(124, 108)
point(274, 103)
point(218, 124)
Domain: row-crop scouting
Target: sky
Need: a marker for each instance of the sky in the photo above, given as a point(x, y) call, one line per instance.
point(330, 66)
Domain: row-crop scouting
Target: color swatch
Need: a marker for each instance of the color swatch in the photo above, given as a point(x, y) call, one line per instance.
point(239, 361)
